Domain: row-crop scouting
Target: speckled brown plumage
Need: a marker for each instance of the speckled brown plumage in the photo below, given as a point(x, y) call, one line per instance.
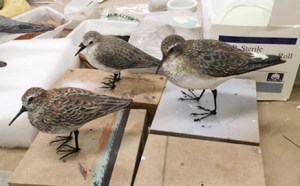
point(66, 109)
point(204, 64)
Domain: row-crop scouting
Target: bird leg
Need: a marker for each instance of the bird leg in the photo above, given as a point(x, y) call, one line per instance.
point(193, 96)
point(111, 81)
point(63, 139)
point(69, 149)
point(208, 111)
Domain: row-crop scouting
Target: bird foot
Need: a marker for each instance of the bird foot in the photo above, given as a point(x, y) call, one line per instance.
point(109, 85)
point(63, 139)
point(67, 151)
point(192, 96)
point(203, 115)
point(112, 78)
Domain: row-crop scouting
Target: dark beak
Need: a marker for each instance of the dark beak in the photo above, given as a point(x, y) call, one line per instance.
point(3, 64)
point(161, 63)
point(82, 47)
point(23, 109)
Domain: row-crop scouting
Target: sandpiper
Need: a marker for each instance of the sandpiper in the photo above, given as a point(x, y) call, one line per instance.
point(205, 64)
point(112, 54)
point(66, 110)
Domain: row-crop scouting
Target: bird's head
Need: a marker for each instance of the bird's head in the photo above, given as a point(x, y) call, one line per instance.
point(88, 39)
point(30, 101)
point(170, 46)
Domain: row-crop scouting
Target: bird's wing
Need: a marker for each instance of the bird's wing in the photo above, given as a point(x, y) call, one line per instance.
point(77, 106)
point(218, 59)
point(122, 55)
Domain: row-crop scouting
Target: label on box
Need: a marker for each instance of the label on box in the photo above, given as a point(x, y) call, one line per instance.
point(276, 82)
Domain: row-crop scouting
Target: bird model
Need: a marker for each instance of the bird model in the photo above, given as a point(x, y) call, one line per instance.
point(11, 29)
point(112, 54)
point(66, 110)
point(205, 64)
point(12, 26)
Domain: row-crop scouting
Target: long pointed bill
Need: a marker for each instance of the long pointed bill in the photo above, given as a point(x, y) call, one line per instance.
point(23, 109)
point(82, 47)
point(160, 64)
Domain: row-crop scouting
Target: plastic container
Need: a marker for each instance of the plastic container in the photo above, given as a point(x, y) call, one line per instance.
point(80, 10)
point(105, 27)
point(190, 5)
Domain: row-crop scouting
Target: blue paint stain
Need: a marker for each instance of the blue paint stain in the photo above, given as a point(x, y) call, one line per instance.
point(103, 162)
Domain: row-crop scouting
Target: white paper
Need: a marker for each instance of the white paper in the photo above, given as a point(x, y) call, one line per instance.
point(285, 12)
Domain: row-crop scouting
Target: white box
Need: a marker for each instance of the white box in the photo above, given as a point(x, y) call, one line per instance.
point(42, 15)
point(254, 25)
point(30, 63)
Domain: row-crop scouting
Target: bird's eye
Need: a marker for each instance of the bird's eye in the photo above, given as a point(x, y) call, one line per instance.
point(91, 42)
point(30, 100)
point(171, 50)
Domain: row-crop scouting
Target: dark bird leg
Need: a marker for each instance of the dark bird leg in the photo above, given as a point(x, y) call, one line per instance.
point(70, 150)
point(193, 96)
point(63, 139)
point(208, 111)
point(111, 81)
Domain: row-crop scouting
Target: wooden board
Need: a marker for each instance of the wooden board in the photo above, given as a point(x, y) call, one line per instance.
point(144, 89)
point(236, 119)
point(133, 141)
point(184, 161)
point(97, 139)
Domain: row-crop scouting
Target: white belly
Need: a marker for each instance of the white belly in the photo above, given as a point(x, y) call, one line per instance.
point(97, 64)
point(196, 83)
point(190, 78)
point(102, 67)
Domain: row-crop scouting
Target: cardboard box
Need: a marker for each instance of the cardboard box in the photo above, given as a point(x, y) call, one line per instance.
point(257, 26)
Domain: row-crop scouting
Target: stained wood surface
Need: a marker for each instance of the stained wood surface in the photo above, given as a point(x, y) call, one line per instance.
point(41, 165)
point(184, 161)
point(144, 89)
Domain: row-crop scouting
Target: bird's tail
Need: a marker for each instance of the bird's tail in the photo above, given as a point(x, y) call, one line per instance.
point(113, 104)
point(274, 60)
point(270, 60)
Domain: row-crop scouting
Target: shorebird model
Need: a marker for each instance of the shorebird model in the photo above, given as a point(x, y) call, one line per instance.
point(205, 64)
point(65, 110)
point(12, 26)
point(112, 54)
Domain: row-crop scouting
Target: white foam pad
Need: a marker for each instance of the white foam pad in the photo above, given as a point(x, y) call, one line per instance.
point(29, 63)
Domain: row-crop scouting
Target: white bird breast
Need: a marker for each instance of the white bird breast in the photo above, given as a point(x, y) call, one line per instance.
point(174, 70)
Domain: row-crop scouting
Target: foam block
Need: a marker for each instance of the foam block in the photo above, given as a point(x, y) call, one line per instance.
point(236, 120)
point(29, 63)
